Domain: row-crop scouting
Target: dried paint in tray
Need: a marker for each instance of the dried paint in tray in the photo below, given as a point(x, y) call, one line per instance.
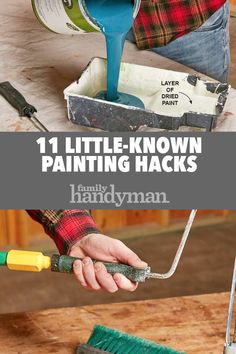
point(172, 99)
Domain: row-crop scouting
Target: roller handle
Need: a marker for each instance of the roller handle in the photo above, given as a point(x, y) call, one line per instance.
point(64, 264)
point(16, 100)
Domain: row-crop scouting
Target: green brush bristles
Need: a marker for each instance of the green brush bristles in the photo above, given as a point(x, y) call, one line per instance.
point(3, 258)
point(116, 342)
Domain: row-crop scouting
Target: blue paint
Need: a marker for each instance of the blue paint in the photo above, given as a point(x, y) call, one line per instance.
point(115, 18)
point(122, 98)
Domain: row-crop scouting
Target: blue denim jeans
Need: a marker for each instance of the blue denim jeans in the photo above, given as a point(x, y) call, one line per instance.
point(206, 49)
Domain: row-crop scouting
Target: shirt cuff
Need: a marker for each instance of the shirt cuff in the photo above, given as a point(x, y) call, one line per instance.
point(65, 227)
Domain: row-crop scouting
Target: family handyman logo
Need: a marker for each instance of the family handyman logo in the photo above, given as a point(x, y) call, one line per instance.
point(100, 194)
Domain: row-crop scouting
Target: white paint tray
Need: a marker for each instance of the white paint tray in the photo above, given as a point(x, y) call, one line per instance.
point(195, 103)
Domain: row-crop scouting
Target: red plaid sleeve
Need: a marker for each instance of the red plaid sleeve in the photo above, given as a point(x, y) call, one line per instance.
point(65, 227)
point(161, 21)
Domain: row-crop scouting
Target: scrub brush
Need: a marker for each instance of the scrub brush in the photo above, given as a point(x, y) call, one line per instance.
point(107, 340)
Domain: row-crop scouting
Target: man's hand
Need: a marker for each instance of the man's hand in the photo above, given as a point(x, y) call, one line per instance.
point(96, 277)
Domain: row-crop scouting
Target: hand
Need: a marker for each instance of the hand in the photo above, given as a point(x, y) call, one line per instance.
point(96, 277)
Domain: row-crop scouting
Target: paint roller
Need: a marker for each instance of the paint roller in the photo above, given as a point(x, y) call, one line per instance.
point(37, 261)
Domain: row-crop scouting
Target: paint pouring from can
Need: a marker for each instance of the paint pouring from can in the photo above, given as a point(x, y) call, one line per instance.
point(115, 19)
point(73, 17)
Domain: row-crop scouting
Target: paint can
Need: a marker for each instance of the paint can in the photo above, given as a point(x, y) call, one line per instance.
point(68, 16)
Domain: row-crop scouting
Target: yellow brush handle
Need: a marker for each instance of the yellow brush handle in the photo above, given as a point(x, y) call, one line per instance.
point(28, 261)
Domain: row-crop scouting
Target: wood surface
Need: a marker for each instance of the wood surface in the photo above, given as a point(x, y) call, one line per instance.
point(176, 214)
point(19, 230)
point(42, 64)
point(193, 324)
point(233, 8)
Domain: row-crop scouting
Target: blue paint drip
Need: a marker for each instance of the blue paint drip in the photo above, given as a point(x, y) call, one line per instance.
point(115, 18)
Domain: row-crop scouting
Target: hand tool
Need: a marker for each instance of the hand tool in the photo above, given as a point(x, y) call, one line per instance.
point(36, 261)
point(106, 340)
point(18, 101)
point(230, 346)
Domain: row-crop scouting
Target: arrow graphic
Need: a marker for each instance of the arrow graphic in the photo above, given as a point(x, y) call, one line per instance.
point(187, 97)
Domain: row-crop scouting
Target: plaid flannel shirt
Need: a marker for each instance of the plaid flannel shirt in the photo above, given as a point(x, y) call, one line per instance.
point(65, 227)
point(162, 21)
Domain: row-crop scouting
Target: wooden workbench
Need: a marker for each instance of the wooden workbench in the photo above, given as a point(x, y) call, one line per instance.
point(194, 324)
point(41, 64)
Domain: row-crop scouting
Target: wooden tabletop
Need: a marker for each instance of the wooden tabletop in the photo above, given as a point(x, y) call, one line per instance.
point(42, 64)
point(194, 324)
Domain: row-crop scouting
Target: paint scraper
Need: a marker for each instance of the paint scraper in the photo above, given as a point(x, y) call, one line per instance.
point(36, 261)
point(17, 100)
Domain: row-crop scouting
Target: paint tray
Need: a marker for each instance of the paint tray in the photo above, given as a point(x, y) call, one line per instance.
point(191, 102)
